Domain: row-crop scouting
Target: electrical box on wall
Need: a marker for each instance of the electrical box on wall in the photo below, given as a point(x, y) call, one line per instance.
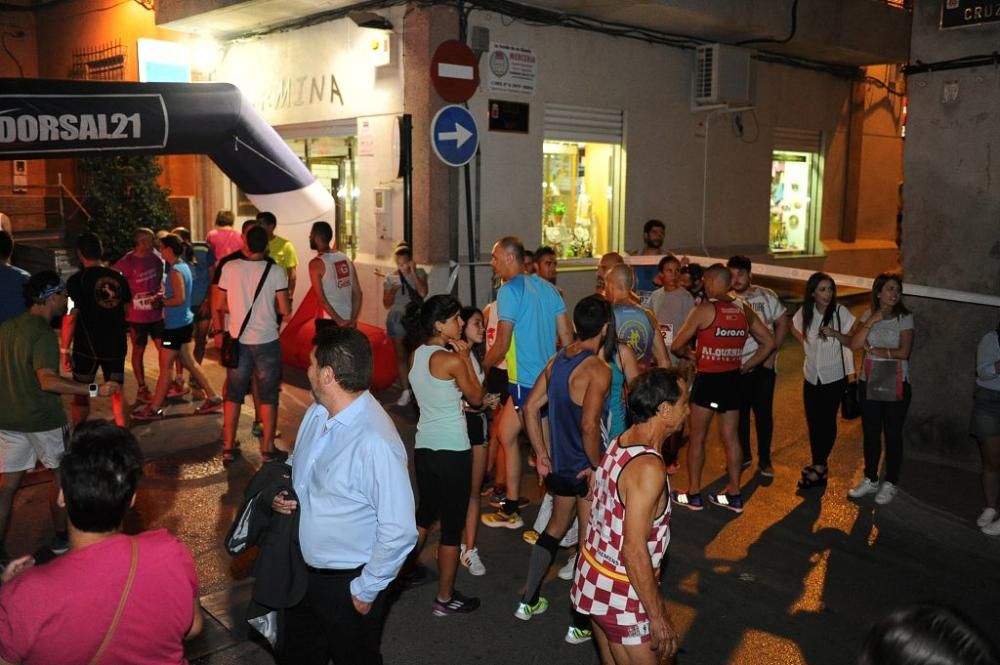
point(20, 181)
point(723, 76)
point(383, 212)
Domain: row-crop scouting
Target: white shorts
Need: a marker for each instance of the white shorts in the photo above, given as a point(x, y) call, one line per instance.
point(20, 450)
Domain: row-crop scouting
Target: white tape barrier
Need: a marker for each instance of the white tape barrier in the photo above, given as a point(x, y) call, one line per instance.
point(801, 275)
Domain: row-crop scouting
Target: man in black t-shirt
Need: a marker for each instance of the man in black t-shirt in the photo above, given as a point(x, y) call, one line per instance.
point(94, 334)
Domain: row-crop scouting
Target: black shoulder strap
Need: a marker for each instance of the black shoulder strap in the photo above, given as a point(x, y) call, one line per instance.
point(260, 287)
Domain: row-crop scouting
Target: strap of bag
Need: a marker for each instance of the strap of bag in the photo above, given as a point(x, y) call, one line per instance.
point(260, 286)
point(121, 604)
point(843, 365)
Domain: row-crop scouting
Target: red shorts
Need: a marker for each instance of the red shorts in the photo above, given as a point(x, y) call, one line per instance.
point(627, 628)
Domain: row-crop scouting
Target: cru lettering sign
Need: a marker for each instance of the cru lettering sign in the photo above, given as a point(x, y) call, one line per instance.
point(965, 13)
point(75, 123)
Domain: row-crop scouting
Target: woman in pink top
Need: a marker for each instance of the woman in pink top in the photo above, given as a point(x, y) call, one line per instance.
point(224, 239)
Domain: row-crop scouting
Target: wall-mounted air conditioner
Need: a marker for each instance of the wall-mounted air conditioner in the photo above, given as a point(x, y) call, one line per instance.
point(723, 76)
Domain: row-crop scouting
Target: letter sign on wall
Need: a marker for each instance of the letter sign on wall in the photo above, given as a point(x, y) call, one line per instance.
point(966, 13)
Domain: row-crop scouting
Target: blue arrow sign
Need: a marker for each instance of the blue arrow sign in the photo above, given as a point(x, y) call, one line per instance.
point(454, 135)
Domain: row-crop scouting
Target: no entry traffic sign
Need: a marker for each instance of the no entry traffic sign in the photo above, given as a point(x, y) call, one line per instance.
point(454, 135)
point(454, 71)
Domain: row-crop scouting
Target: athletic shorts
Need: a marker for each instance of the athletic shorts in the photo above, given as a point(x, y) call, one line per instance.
point(718, 391)
point(985, 413)
point(634, 632)
point(519, 394)
point(496, 382)
point(257, 361)
point(476, 423)
point(394, 327)
point(141, 332)
point(175, 338)
point(562, 486)
point(444, 483)
point(19, 451)
point(85, 368)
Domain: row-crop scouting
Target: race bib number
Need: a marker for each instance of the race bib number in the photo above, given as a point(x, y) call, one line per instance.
point(143, 301)
point(667, 332)
point(343, 274)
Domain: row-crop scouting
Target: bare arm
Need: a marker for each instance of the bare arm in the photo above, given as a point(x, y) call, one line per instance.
point(594, 399)
point(629, 364)
point(765, 340)
point(68, 327)
point(291, 281)
point(537, 399)
point(283, 300)
point(180, 295)
point(197, 622)
point(356, 297)
point(659, 348)
point(51, 382)
point(316, 271)
point(564, 329)
point(505, 330)
point(388, 295)
point(696, 318)
point(860, 338)
point(901, 352)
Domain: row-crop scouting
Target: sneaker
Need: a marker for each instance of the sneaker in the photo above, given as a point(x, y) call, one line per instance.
point(566, 572)
point(863, 488)
point(257, 429)
point(733, 502)
point(767, 471)
point(578, 635)
point(747, 462)
point(176, 390)
point(213, 405)
point(470, 559)
point(992, 529)
point(525, 611)
point(59, 543)
point(458, 604)
point(404, 398)
point(143, 395)
point(416, 576)
point(886, 493)
point(496, 500)
point(147, 414)
point(985, 517)
point(530, 536)
point(502, 519)
point(691, 501)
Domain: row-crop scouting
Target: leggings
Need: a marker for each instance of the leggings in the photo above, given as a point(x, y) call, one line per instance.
point(878, 418)
point(444, 483)
point(822, 403)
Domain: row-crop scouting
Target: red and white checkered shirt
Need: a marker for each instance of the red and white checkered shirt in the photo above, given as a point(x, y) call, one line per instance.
point(601, 585)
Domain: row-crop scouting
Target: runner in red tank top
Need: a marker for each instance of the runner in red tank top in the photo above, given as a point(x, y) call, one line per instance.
point(721, 327)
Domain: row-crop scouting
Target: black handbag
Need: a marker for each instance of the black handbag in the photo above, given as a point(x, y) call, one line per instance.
point(230, 352)
point(850, 407)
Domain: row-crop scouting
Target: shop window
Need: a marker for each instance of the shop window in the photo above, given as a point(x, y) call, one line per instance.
point(795, 201)
point(582, 195)
point(331, 160)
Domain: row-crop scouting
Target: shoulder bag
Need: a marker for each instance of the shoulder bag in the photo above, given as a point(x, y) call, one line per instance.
point(121, 604)
point(850, 408)
point(230, 354)
point(408, 290)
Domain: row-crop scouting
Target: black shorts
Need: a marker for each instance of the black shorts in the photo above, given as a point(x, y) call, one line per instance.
point(85, 367)
point(562, 486)
point(478, 428)
point(718, 391)
point(201, 312)
point(444, 483)
point(496, 382)
point(175, 338)
point(141, 332)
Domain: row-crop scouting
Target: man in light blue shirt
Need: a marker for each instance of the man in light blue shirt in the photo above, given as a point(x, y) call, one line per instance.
point(356, 524)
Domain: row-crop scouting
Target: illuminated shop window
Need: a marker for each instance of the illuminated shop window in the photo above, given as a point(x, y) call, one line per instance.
point(795, 201)
point(331, 159)
point(582, 194)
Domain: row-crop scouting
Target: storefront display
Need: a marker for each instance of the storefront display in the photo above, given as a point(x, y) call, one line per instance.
point(793, 201)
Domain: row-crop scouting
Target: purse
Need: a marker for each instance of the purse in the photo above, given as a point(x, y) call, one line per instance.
point(885, 380)
point(850, 407)
point(230, 352)
point(409, 291)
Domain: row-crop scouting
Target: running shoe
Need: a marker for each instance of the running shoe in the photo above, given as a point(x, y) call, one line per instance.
point(213, 405)
point(458, 604)
point(886, 493)
point(767, 471)
point(147, 414)
point(176, 390)
point(566, 572)
point(470, 559)
point(404, 398)
point(690, 500)
point(747, 462)
point(501, 519)
point(986, 517)
point(733, 502)
point(143, 395)
point(525, 612)
point(497, 501)
point(992, 529)
point(578, 635)
point(863, 488)
point(530, 536)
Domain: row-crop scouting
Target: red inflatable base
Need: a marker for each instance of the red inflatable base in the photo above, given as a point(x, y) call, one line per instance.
point(296, 344)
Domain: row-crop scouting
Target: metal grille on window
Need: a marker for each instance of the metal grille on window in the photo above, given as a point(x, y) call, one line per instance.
point(564, 122)
point(798, 140)
point(100, 63)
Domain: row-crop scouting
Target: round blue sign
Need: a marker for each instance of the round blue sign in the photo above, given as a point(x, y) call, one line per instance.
point(454, 135)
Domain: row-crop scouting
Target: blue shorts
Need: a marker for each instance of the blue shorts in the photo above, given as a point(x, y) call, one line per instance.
point(394, 324)
point(519, 394)
point(258, 361)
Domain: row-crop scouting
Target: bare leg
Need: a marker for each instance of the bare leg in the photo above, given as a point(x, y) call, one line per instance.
point(402, 362)
point(700, 420)
point(602, 645)
point(729, 425)
point(510, 428)
point(230, 421)
point(138, 364)
point(200, 340)
point(197, 373)
point(268, 420)
point(472, 515)
point(167, 357)
point(9, 482)
point(447, 557)
point(58, 513)
point(118, 408)
point(990, 449)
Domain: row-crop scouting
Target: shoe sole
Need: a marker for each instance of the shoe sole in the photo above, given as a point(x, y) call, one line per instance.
point(689, 506)
point(506, 525)
point(529, 617)
point(211, 409)
point(574, 641)
point(728, 507)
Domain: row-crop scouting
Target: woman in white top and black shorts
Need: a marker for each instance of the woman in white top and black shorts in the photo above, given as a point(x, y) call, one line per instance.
point(823, 326)
point(985, 426)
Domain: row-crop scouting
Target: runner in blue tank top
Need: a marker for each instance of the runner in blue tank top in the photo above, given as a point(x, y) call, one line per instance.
point(574, 385)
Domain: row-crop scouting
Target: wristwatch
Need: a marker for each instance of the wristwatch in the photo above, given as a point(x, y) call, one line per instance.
point(93, 389)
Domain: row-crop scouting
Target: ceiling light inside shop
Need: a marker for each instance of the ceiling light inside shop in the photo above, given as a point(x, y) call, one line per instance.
point(206, 54)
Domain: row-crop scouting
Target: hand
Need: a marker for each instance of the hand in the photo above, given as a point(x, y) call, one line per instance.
point(543, 465)
point(664, 637)
point(491, 401)
point(590, 476)
point(361, 606)
point(827, 331)
point(770, 360)
point(460, 347)
point(16, 567)
point(282, 505)
point(108, 389)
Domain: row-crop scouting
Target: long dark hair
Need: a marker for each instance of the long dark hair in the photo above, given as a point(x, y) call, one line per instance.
point(419, 321)
point(809, 304)
point(467, 313)
point(899, 309)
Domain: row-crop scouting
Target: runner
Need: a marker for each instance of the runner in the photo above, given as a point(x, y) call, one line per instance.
point(143, 268)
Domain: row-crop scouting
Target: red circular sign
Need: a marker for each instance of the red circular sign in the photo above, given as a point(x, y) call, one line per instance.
point(454, 71)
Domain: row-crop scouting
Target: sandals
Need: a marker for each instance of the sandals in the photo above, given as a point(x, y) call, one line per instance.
point(813, 477)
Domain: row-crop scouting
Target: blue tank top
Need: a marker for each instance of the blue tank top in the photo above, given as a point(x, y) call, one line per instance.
point(178, 316)
point(615, 418)
point(635, 329)
point(568, 456)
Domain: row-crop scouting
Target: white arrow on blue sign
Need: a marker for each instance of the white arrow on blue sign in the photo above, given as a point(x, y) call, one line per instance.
point(454, 135)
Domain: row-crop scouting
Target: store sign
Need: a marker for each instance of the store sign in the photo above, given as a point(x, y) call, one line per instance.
point(513, 69)
point(965, 13)
point(300, 91)
point(38, 124)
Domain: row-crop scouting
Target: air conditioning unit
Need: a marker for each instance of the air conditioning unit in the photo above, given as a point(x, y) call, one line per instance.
point(722, 76)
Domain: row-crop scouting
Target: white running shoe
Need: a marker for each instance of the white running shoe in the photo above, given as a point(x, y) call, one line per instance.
point(864, 488)
point(985, 517)
point(886, 493)
point(404, 398)
point(566, 572)
point(578, 635)
point(470, 559)
point(992, 529)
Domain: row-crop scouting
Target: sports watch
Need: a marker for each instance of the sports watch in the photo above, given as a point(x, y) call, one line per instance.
point(93, 389)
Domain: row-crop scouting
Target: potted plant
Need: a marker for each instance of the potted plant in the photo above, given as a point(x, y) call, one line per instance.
point(559, 211)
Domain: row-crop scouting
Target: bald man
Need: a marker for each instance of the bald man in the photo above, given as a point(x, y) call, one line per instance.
point(636, 325)
point(607, 262)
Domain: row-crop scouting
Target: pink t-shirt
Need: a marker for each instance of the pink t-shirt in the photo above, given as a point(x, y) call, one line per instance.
point(145, 280)
point(59, 612)
point(224, 241)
